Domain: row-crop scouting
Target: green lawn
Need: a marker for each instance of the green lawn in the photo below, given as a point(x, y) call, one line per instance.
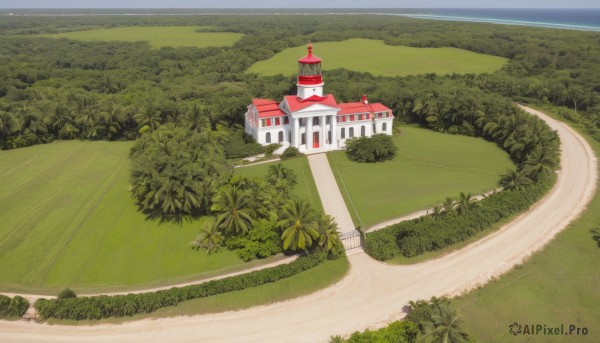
point(305, 189)
point(309, 281)
point(156, 36)
point(559, 285)
point(428, 167)
point(68, 220)
point(373, 56)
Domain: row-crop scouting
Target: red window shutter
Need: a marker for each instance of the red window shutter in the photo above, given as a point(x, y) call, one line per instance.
point(268, 121)
point(277, 122)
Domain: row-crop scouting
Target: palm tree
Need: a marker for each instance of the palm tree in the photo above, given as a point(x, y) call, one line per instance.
point(515, 180)
point(300, 220)
point(196, 118)
point(437, 211)
point(112, 118)
point(466, 202)
point(445, 326)
point(236, 215)
point(449, 206)
point(540, 161)
point(8, 124)
point(281, 177)
point(209, 238)
point(329, 235)
point(149, 116)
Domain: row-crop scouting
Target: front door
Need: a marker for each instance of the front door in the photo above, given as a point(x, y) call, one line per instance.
point(315, 140)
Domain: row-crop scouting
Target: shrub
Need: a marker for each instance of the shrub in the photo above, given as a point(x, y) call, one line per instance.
point(241, 145)
point(378, 148)
point(103, 306)
point(290, 152)
point(270, 148)
point(420, 235)
point(15, 307)
point(66, 294)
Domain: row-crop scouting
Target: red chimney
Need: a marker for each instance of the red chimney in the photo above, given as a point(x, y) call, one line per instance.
point(364, 99)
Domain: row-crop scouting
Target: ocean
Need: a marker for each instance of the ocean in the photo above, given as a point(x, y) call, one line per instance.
point(575, 19)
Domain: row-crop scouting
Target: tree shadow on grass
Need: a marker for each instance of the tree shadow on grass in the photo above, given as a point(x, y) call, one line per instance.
point(596, 235)
point(161, 218)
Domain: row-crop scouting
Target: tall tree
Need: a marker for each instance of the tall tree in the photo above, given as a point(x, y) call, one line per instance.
point(445, 326)
point(235, 213)
point(301, 221)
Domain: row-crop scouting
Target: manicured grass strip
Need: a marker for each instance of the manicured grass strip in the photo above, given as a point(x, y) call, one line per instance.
point(428, 167)
point(558, 285)
point(309, 281)
point(421, 235)
point(156, 36)
point(68, 220)
point(98, 307)
point(306, 187)
point(373, 56)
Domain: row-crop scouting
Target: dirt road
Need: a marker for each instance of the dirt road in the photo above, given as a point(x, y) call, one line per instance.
point(373, 293)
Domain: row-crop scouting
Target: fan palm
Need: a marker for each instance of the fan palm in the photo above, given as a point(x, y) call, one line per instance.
point(300, 221)
point(236, 214)
point(329, 235)
point(437, 211)
point(209, 238)
point(445, 326)
point(466, 202)
point(541, 161)
point(515, 180)
point(449, 206)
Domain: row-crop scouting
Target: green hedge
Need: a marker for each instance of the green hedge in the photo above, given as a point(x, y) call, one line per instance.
point(15, 307)
point(417, 236)
point(98, 307)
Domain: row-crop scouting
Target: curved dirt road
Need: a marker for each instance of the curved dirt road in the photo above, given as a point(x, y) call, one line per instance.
point(373, 293)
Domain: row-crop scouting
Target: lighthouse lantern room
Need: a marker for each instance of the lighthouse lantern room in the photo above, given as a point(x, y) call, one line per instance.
point(310, 81)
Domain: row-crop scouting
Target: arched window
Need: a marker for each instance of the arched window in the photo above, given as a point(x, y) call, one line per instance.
point(384, 127)
point(362, 131)
point(343, 133)
point(280, 136)
point(351, 132)
point(268, 137)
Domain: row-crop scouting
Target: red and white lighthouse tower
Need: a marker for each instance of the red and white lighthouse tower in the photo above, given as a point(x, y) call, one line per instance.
point(310, 82)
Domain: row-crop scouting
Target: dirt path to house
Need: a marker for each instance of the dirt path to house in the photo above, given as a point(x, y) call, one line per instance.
point(373, 293)
point(331, 197)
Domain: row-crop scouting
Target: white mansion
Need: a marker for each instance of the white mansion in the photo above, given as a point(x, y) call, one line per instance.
point(311, 121)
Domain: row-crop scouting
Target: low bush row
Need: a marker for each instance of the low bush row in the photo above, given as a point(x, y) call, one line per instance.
point(13, 307)
point(417, 236)
point(98, 307)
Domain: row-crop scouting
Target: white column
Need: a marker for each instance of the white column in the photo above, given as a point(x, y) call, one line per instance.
point(309, 133)
point(334, 136)
point(322, 137)
point(296, 133)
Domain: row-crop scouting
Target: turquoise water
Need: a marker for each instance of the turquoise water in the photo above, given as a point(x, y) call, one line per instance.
point(575, 19)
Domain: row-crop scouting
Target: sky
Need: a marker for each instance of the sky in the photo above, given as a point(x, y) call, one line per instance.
point(299, 4)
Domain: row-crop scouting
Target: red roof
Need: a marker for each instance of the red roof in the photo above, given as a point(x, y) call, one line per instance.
point(296, 104)
point(259, 102)
point(377, 107)
point(310, 58)
point(359, 107)
point(267, 108)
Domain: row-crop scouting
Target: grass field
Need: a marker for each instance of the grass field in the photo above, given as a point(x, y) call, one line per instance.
point(559, 285)
point(428, 167)
point(321, 276)
point(305, 189)
point(373, 56)
point(156, 36)
point(68, 220)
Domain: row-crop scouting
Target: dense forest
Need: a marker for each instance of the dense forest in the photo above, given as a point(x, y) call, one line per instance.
point(65, 89)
